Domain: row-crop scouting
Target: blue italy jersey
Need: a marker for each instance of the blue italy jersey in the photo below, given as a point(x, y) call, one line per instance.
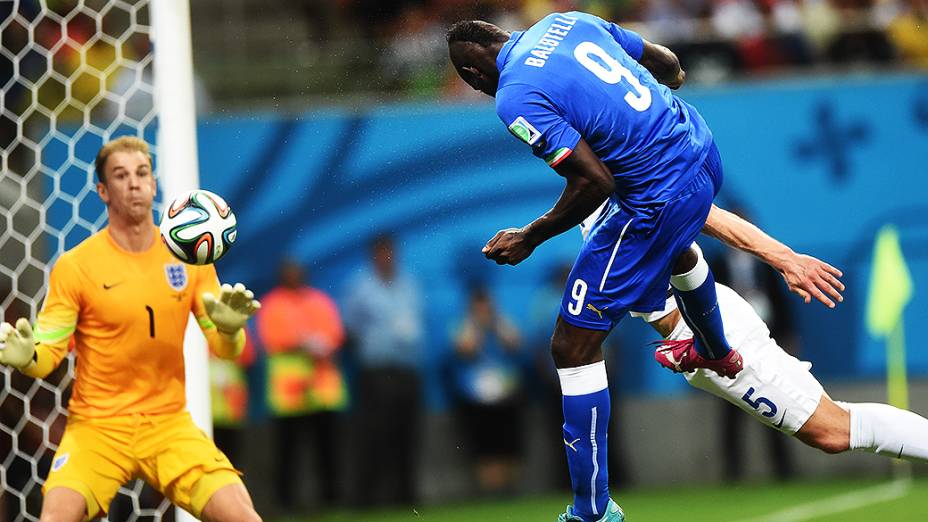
point(575, 75)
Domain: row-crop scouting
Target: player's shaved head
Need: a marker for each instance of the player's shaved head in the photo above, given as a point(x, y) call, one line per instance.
point(121, 144)
point(476, 31)
point(473, 46)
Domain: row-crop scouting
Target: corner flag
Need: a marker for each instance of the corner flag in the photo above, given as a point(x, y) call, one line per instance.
point(890, 284)
point(890, 291)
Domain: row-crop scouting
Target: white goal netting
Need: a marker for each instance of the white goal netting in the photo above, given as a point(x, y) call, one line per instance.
point(73, 74)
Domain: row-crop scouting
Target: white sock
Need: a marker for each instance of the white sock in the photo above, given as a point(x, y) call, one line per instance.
point(583, 380)
point(697, 275)
point(887, 430)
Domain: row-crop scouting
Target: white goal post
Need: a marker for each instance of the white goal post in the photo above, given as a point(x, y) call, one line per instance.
point(81, 72)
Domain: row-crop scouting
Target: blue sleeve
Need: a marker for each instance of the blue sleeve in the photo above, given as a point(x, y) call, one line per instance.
point(530, 117)
point(629, 40)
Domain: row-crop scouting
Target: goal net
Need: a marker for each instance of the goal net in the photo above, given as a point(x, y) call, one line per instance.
point(74, 74)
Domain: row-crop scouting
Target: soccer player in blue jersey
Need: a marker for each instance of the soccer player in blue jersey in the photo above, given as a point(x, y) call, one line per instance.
point(592, 99)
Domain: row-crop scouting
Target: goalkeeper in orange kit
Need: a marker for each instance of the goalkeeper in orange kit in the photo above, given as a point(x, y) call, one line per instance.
point(125, 300)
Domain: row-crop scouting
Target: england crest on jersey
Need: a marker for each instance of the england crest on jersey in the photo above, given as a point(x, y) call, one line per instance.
point(177, 275)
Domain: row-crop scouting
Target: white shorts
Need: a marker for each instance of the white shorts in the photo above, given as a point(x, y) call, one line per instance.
point(774, 387)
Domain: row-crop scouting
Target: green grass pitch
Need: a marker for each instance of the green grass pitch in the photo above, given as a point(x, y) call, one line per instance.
point(831, 501)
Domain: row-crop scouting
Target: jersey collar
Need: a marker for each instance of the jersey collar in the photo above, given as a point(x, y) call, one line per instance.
point(503, 55)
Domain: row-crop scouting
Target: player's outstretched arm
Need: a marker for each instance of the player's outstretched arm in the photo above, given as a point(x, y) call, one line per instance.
point(804, 275)
point(589, 183)
point(663, 64)
point(228, 313)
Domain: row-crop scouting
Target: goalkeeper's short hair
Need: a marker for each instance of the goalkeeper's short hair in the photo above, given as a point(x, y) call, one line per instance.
point(120, 144)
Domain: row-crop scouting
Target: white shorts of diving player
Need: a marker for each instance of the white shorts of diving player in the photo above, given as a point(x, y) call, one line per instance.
point(587, 224)
point(775, 387)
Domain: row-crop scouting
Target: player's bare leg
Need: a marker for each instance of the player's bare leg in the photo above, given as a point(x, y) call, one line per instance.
point(694, 290)
point(828, 429)
point(63, 505)
point(572, 346)
point(230, 503)
point(578, 356)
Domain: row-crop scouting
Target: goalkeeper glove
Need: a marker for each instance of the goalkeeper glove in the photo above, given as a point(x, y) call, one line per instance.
point(17, 345)
point(232, 309)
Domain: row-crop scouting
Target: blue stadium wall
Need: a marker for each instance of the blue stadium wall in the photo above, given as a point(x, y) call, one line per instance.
point(820, 164)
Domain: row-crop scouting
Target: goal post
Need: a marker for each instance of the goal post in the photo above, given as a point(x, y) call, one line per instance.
point(178, 168)
point(74, 75)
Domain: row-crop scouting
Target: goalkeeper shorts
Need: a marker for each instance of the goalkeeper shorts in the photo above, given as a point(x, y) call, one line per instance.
point(98, 455)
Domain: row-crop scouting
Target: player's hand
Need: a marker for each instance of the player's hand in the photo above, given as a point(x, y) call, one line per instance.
point(232, 309)
point(17, 345)
point(509, 247)
point(810, 277)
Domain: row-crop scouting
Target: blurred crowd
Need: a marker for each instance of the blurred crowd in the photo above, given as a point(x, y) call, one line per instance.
point(342, 51)
point(715, 39)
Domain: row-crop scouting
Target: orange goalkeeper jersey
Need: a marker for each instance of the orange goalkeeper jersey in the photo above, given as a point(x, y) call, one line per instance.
point(127, 313)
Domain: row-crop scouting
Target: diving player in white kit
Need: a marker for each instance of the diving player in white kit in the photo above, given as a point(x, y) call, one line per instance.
point(780, 391)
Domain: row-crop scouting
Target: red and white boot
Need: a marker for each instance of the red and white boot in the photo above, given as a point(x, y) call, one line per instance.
point(681, 356)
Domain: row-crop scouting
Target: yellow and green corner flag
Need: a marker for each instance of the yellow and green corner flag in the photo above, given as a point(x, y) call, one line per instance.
point(890, 292)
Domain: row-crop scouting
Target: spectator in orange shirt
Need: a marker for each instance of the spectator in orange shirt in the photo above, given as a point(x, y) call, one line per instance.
point(301, 331)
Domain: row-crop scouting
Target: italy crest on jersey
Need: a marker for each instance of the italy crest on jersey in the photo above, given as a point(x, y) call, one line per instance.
point(177, 275)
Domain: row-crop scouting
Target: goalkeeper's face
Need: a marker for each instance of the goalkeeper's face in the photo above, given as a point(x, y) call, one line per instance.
point(128, 187)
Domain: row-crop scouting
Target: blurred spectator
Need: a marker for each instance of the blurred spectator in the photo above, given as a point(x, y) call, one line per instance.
point(760, 286)
point(412, 57)
point(383, 315)
point(669, 20)
point(77, 56)
point(785, 20)
point(909, 32)
point(820, 22)
point(736, 19)
point(229, 398)
point(859, 45)
point(486, 374)
point(301, 330)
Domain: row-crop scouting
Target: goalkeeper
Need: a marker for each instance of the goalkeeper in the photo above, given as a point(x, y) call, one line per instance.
point(125, 300)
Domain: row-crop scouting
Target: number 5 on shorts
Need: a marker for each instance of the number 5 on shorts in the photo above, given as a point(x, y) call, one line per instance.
point(578, 293)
